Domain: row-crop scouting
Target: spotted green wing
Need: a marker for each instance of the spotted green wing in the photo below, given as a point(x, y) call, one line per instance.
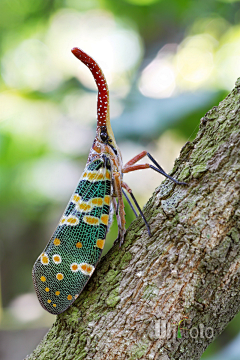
point(66, 264)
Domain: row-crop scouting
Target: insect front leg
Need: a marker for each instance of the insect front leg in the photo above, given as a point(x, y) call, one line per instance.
point(120, 206)
point(129, 166)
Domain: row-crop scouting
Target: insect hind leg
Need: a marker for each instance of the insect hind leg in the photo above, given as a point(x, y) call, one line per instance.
point(137, 206)
point(129, 202)
point(120, 212)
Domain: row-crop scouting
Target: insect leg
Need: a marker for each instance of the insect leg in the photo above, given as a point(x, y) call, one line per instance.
point(160, 169)
point(128, 200)
point(118, 189)
point(137, 206)
point(136, 158)
point(115, 205)
point(129, 166)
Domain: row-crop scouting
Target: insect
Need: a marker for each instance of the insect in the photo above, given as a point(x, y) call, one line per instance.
point(62, 270)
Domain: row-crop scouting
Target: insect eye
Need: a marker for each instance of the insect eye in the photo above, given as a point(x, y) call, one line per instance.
point(104, 136)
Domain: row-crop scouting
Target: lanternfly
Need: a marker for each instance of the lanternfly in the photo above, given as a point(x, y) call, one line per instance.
point(70, 258)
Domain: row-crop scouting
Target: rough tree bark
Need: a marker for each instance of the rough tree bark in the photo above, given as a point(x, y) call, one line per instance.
point(189, 267)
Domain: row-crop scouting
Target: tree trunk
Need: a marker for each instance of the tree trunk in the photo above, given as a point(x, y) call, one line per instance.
point(189, 268)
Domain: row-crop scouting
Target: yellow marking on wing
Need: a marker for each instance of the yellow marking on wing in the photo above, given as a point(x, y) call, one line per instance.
point(59, 276)
point(76, 198)
point(97, 201)
point(74, 267)
point(54, 305)
point(47, 289)
point(91, 175)
point(63, 220)
point(49, 301)
point(72, 220)
point(86, 269)
point(100, 176)
point(44, 259)
point(83, 206)
point(108, 175)
point(57, 259)
point(107, 199)
point(83, 267)
point(104, 219)
point(42, 278)
point(79, 245)
point(56, 242)
point(96, 175)
point(69, 297)
point(100, 243)
point(91, 220)
point(89, 269)
point(57, 293)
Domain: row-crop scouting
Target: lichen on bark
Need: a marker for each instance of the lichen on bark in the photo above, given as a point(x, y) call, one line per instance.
point(188, 269)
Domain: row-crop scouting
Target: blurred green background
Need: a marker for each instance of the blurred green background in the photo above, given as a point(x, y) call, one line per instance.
point(166, 62)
